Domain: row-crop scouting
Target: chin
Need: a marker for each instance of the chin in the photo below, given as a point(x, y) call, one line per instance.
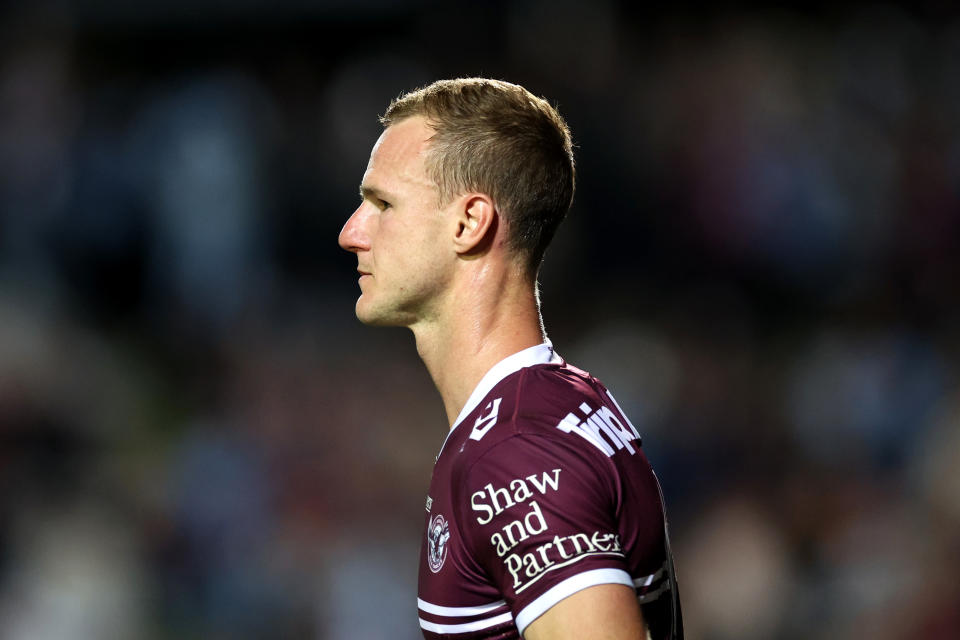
point(372, 316)
point(379, 316)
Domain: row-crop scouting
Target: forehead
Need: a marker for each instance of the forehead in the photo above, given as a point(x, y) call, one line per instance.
point(398, 157)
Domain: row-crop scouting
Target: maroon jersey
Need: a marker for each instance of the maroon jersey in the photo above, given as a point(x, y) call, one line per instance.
point(540, 490)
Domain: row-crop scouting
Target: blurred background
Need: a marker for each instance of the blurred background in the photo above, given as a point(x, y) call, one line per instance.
point(199, 440)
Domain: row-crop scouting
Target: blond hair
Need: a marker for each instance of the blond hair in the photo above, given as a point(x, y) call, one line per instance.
point(499, 139)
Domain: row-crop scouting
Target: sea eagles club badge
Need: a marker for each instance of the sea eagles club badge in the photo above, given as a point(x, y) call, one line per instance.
point(438, 533)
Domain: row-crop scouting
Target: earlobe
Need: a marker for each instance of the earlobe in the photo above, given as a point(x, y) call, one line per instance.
point(477, 221)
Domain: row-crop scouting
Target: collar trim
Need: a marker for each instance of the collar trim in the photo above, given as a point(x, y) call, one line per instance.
point(542, 353)
point(539, 354)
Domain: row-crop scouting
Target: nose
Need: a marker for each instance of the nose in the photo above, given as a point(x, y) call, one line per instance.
point(354, 236)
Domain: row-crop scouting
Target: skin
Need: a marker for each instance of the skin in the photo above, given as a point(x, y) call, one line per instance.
point(445, 271)
point(602, 612)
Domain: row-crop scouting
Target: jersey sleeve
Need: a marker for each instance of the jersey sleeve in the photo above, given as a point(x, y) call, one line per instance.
point(539, 516)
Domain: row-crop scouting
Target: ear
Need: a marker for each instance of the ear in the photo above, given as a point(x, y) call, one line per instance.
point(476, 221)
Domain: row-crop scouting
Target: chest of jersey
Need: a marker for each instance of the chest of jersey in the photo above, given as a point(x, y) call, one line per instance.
point(456, 599)
point(541, 490)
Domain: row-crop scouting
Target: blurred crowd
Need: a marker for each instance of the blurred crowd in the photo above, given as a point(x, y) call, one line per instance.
point(198, 439)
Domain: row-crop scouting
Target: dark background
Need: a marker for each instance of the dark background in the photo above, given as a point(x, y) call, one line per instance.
point(199, 440)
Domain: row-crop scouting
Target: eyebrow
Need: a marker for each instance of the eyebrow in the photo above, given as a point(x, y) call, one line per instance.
point(374, 192)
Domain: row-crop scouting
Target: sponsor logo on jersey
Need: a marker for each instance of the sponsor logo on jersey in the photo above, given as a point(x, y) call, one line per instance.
point(602, 428)
point(493, 501)
point(438, 535)
point(525, 564)
point(562, 551)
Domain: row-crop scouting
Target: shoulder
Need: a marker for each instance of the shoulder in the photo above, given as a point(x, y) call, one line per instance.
point(542, 400)
point(538, 397)
point(557, 405)
point(542, 403)
point(552, 389)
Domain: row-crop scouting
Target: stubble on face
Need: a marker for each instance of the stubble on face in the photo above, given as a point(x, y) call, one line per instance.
point(406, 260)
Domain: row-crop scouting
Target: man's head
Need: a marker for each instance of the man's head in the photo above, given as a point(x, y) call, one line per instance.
point(497, 138)
point(462, 166)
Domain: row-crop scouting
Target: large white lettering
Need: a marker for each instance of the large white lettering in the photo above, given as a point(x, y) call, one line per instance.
point(526, 568)
point(601, 428)
point(476, 503)
point(546, 480)
point(492, 501)
point(519, 530)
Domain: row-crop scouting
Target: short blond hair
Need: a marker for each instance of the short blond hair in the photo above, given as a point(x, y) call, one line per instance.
point(498, 138)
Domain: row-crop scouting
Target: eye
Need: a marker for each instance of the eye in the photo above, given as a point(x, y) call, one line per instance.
point(383, 204)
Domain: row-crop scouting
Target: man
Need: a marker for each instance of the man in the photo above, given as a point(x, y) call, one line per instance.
point(544, 518)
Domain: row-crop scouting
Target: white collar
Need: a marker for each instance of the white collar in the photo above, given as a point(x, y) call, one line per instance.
point(539, 354)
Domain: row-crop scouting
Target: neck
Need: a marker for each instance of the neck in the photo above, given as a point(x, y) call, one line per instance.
point(493, 316)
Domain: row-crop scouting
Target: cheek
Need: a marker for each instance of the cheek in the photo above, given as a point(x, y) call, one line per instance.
point(410, 254)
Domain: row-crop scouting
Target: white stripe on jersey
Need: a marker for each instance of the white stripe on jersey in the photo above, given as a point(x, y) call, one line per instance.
point(540, 354)
point(582, 556)
point(458, 612)
point(568, 587)
point(466, 627)
point(653, 595)
point(646, 582)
